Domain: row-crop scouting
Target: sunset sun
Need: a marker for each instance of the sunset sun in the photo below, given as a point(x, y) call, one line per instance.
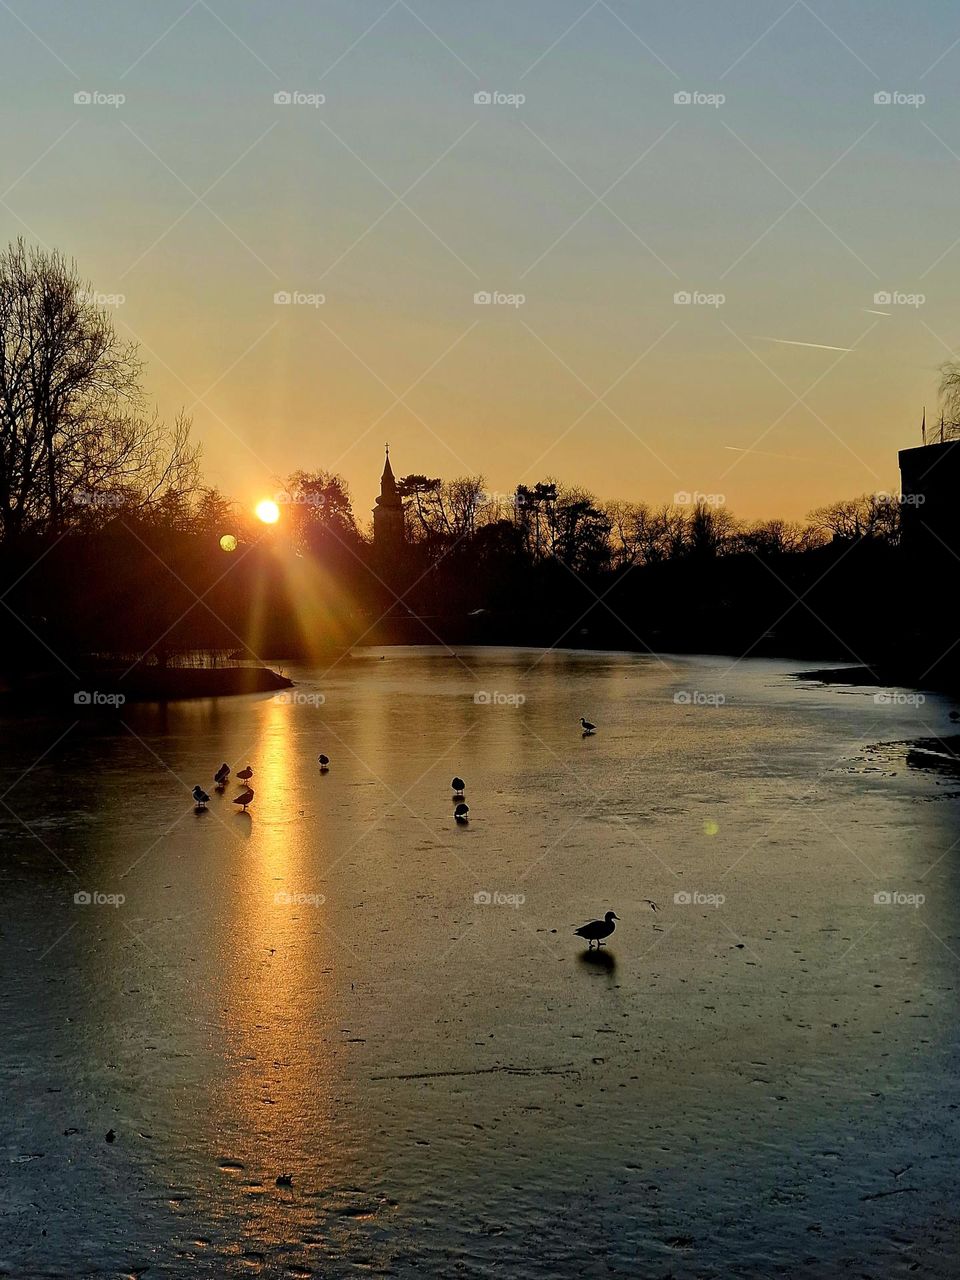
point(268, 511)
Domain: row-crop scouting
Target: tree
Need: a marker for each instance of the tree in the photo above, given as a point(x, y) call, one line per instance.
point(75, 444)
point(321, 510)
point(872, 515)
point(949, 392)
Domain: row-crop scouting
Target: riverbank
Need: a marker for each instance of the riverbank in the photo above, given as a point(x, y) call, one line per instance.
point(106, 687)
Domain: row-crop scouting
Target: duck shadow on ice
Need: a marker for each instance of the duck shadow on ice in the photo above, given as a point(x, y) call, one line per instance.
point(601, 961)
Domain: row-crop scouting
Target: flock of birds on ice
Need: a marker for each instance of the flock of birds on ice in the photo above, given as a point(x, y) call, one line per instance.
point(593, 932)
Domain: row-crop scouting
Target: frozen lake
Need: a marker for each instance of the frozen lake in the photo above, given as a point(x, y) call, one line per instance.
point(758, 1080)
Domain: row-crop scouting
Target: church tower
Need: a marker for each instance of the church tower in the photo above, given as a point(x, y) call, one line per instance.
point(388, 536)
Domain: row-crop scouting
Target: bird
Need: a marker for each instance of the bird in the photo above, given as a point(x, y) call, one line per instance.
point(460, 812)
point(244, 798)
point(458, 785)
point(587, 726)
point(222, 774)
point(245, 774)
point(324, 763)
point(596, 930)
point(200, 796)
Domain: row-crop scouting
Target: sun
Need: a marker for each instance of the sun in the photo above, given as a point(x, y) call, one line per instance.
point(268, 511)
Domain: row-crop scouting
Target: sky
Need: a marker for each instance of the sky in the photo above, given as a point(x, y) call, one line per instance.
point(586, 198)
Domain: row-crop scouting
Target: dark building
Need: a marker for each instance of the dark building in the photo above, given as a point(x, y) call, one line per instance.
point(388, 533)
point(930, 506)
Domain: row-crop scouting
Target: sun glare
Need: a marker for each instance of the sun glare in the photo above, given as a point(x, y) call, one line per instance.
point(268, 511)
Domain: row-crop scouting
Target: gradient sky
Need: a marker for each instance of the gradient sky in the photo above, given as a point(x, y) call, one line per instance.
point(798, 199)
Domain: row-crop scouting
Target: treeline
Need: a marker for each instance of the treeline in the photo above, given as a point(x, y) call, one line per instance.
point(109, 539)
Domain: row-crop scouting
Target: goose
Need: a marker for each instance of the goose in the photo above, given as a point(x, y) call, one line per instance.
point(200, 796)
point(245, 774)
point(596, 930)
point(324, 763)
point(587, 726)
point(459, 786)
point(460, 812)
point(244, 798)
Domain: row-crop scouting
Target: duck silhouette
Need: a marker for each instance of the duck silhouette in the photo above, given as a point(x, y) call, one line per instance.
point(244, 798)
point(587, 727)
point(200, 796)
point(596, 930)
point(324, 763)
point(461, 812)
point(245, 774)
point(459, 786)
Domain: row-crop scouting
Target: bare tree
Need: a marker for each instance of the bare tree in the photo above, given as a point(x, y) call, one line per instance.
point(75, 442)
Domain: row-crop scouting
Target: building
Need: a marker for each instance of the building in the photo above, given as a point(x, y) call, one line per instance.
point(929, 489)
point(388, 531)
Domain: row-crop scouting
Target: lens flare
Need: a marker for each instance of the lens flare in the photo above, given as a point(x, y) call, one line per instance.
point(268, 511)
point(228, 542)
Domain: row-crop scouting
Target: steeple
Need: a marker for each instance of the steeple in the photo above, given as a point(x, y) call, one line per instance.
point(388, 485)
point(388, 532)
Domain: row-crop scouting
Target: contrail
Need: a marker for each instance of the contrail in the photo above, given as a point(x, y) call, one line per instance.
point(787, 342)
point(870, 312)
point(790, 457)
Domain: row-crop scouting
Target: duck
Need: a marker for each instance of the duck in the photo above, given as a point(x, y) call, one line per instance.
point(461, 812)
point(459, 786)
point(324, 763)
point(222, 774)
point(244, 798)
point(596, 930)
point(200, 796)
point(587, 727)
point(245, 774)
